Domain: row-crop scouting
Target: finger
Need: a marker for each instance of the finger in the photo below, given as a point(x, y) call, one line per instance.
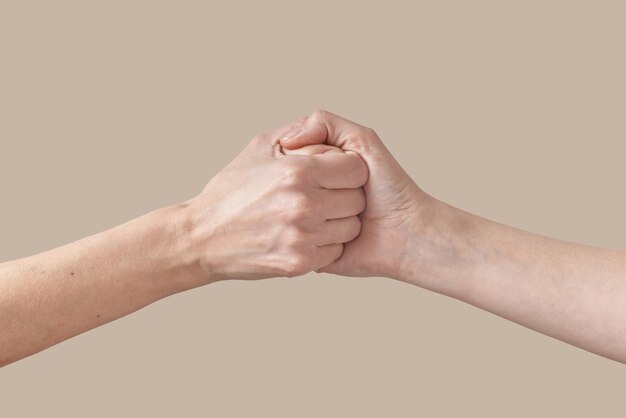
point(325, 127)
point(339, 170)
point(289, 130)
point(273, 138)
point(339, 231)
point(311, 150)
point(347, 264)
point(327, 254)
point(341, 203)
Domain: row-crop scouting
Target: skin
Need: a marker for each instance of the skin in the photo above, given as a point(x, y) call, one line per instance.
point(266, 214)
point(299, 199)
point(569, 291)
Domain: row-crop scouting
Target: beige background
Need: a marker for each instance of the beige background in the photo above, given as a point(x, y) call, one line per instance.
point(512, 110)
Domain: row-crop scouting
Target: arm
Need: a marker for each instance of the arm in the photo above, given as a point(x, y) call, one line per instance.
point(571, 292)
point(264, 215)
point(52, 296)
point(568, 291)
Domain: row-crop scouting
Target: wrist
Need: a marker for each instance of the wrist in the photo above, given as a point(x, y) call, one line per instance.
point(181, 256)
point(439, 252)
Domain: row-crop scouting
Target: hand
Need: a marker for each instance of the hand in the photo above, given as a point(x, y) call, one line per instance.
point(395, 204)
point(268, 214)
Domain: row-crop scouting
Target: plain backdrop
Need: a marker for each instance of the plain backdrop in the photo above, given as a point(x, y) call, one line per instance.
point(511, 110)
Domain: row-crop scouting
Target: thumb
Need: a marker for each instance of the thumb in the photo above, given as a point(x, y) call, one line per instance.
point(268, 144)
point(314, 131)
point(325, 127)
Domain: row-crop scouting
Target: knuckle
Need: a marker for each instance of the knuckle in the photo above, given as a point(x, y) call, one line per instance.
point(364, 135)
point(296, 265)
point(369, 132)
point(320, 114)
point(296, 172)
point(300, 206)
point(295, 249)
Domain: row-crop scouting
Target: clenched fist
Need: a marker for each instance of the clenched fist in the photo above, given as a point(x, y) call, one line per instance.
point(268, 214)
point(394, 202)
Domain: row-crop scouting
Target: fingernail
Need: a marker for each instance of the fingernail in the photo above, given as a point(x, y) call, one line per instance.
point(292, 133)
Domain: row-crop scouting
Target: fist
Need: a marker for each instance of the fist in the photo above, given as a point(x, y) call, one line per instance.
point(268, 214)
point(396, 206)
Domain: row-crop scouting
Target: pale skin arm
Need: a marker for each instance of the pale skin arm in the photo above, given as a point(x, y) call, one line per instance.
point(55, 295)
point(264, 215)
point(572, 292)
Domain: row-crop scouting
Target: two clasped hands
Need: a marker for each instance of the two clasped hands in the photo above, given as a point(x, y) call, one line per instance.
point(320, 194)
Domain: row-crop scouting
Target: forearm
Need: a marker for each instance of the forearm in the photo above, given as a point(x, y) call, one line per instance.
point(572, 292)
point(52, 296)
point(267, 214)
